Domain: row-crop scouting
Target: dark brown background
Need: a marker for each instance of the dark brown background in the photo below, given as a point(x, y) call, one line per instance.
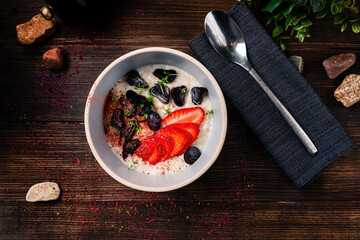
point(243, 196)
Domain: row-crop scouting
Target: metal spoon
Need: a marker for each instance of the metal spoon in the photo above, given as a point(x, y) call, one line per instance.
point(227, 39)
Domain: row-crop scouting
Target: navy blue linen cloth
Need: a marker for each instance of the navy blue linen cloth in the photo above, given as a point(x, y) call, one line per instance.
point(261, 114)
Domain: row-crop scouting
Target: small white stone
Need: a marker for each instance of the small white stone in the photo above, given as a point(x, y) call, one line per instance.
point(45, 191)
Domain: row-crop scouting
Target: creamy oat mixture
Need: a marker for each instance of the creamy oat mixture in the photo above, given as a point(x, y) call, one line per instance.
point(146, 72)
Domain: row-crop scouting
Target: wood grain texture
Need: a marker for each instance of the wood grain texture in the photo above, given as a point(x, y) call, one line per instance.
point(244, 195)
point(311, 220)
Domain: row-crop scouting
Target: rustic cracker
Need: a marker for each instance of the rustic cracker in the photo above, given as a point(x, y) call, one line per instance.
point(348, 93)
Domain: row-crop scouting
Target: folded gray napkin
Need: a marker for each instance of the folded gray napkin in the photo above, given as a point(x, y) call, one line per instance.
point(260, 113)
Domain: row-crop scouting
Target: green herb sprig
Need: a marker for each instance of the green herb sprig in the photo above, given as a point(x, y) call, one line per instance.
point(150, 98)
point(207, 112)
point(164, 80)
point(132, 162)
point(141, 87)
point(161, 85)
point(167, 111)
point(112, 95)
point(292, 18)
point(138, 128)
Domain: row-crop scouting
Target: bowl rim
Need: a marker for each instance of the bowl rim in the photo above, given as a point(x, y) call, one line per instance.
point(223, 113)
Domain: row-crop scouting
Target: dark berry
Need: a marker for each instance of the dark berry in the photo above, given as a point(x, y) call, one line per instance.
point(191, 155)
point(154, 121)
point(197, 94)
point(178, 95)
point(133, 78)
point(167, 75)
point(134, 98)
point(161, 92)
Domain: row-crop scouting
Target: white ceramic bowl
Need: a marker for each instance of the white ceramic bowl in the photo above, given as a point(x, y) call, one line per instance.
point(95, 134)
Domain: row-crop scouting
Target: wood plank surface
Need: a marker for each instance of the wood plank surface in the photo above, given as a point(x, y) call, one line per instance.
point(310, 220)
point(244, 195)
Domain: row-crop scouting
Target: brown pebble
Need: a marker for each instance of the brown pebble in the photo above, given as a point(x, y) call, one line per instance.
point(298, 62)
point(35, 30)
point(337, 64)
point(53, 59)
point(348, 93)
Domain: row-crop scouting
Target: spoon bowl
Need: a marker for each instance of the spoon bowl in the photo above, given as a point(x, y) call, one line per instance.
point(226, 38)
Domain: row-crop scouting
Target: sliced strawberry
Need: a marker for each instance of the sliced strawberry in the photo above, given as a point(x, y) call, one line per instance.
point(158, 154)
point(167, 143)
point(154, 158)
point(185, 115)
point(158, 150)
point(182, 139)
point(192, 128)
point(155, 149)
point(154, 152)
point(145, 150)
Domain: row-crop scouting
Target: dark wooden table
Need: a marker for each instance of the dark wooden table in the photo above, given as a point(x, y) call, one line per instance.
point(243, 196)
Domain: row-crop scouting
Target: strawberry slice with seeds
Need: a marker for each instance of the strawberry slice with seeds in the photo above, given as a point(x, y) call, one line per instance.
point(145, 150)
point(167, 143)
point(157, 150)
point(191, 128)
point(151, 153)
point(154, 157)
point(182, 139)
point(185, 115)
point(158, 154)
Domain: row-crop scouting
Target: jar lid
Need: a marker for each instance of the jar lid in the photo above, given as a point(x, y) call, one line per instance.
point(47, 12)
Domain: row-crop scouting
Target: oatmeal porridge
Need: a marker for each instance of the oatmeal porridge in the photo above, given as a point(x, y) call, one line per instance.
point(157, 119)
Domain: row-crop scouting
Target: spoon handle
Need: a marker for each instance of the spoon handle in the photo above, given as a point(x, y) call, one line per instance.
point(288, 117)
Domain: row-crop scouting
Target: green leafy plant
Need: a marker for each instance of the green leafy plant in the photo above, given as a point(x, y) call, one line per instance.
point(292, 18)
